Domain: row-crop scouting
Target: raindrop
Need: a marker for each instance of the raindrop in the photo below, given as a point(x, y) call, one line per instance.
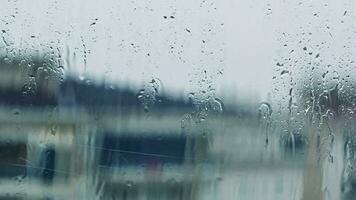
point(53, 129)
point(149, 95)
point(265, 110)
point(186, 122)
point(16, 112)
point(283, 72)
point(264, 114)
point(217, 105)
point(19, 179)
point(129, 184)
point(279, 64)
point(7, 60)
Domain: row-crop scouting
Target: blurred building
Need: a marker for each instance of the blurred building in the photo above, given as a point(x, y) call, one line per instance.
point(65, 136)
point(62, 137)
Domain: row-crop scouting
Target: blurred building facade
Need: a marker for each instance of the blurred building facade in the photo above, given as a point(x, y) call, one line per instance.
point(62, 137)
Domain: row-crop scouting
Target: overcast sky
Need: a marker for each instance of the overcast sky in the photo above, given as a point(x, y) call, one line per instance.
point(229, 44)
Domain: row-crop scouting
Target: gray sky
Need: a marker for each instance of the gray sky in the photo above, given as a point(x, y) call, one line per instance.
point(237, 42)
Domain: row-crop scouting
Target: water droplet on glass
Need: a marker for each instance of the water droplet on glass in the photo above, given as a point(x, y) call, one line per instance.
point(216, 105)
point(129, 184)
point(149, 95)
point(53, 129)
point(265, 110)
point(186, 122)
point(16, 112)
point(283, 72)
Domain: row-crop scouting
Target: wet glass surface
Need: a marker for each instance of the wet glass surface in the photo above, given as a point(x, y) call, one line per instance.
point(182, 100)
